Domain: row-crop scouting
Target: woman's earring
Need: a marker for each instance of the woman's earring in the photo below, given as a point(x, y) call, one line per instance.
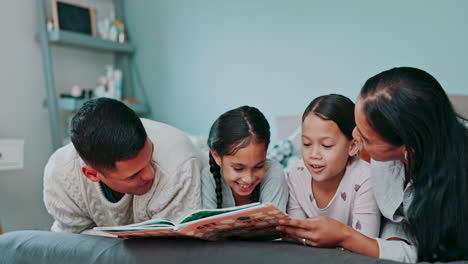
point(406, 155)
point(358, 153)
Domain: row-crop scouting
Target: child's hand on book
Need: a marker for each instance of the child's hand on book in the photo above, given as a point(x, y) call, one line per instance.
point(320, 231)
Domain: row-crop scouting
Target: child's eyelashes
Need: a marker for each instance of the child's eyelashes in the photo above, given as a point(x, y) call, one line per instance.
point(239, 169)
point(325, 146)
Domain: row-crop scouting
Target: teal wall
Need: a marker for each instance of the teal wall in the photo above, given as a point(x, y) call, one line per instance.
point(199, 58)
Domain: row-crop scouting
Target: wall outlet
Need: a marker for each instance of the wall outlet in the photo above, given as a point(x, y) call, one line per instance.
point(11, 154)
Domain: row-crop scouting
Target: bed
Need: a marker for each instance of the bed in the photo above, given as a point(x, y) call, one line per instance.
point(48, 247)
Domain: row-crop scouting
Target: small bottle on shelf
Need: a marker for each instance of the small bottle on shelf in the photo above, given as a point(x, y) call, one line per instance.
point(118, 84)
point(50, 25)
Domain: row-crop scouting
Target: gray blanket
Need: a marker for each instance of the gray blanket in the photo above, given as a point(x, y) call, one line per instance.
point(49, 247)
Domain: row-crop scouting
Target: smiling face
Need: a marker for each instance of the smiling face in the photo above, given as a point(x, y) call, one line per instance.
point(325, 149)
point(243, 170)
point(133, 176)
point(377, 148)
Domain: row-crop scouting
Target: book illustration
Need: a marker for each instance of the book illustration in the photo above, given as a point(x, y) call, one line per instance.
point(207, 213)
point(254, 221)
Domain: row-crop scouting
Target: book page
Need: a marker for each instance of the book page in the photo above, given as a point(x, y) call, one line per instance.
point(155, 232)
point(204, 213)
point(149, 224)
point(252, 221)
point(255, 222)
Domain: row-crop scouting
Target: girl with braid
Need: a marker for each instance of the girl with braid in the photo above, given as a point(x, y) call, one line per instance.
point(239, 172)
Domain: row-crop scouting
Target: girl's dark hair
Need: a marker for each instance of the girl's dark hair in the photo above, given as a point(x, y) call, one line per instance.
point(407, 106)
point(336, 108)
point(232, 131)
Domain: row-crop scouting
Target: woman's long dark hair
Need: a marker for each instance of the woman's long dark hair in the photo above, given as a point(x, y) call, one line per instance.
point(232, 131)
point(407, 106)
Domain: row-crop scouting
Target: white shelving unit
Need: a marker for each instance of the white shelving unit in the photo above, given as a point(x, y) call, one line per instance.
point(123, 53)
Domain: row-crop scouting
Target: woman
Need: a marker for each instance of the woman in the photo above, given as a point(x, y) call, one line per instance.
point(419, 168)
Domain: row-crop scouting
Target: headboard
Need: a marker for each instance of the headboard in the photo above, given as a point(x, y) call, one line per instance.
point(460, 103)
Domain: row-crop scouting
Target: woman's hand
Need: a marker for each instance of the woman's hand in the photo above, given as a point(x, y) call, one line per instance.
point(319, 231)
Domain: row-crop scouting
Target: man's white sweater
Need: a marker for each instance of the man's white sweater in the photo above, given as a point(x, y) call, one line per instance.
point(78, 204)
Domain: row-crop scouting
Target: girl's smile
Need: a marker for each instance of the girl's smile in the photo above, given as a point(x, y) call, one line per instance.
point(243, 170)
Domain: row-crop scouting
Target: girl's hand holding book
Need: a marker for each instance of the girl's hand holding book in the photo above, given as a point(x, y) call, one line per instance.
point(319, 231)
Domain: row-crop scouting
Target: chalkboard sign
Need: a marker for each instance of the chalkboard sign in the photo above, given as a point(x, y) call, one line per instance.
point(74, 17)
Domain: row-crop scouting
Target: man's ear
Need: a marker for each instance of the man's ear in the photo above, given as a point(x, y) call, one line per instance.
point(354, 147)
point(216, 157)
point(91, 173)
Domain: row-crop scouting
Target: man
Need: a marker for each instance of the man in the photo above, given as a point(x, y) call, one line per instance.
point(120, 170)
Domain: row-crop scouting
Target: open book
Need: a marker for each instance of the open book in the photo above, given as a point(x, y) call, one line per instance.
point(251, 221)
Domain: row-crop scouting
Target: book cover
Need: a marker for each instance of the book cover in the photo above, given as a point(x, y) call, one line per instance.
point(252, 221)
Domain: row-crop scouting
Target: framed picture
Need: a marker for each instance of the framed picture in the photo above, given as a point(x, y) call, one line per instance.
point(74, 17)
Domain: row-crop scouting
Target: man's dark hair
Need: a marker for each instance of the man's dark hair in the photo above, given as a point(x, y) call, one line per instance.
point(105, 131)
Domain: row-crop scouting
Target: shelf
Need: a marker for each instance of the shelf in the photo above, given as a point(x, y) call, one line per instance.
point(73, 104)
point(63, 37)
point(122, 53)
